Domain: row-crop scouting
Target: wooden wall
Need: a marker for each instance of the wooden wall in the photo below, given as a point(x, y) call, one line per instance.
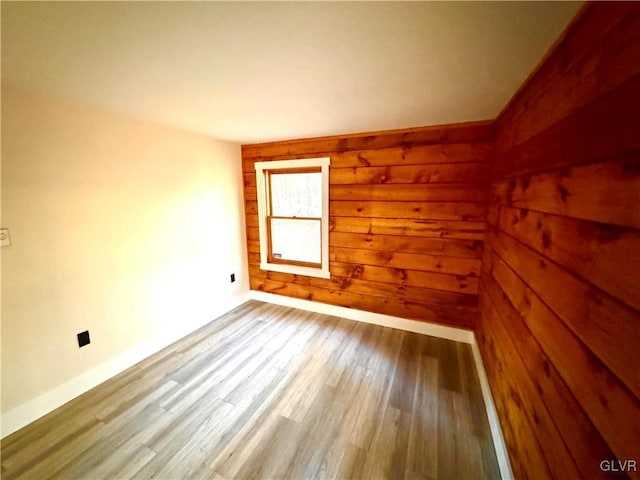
point(407, 213)
point(559, 326)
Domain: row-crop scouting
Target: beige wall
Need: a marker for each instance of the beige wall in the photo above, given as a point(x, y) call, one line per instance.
point(119, 226)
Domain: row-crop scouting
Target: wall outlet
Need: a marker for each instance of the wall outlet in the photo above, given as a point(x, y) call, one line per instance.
point(83, 339)
point(233, 277)
point(5, 238)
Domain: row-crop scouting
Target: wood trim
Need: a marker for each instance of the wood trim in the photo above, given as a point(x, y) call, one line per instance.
point(424, 328)
point(263, 173)
point(440, 134)
point(497, 431)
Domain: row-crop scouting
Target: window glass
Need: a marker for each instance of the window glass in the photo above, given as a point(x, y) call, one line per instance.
point(296, 194)
point(296, 240)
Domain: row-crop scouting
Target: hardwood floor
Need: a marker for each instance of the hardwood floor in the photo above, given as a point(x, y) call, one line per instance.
point(272, 392)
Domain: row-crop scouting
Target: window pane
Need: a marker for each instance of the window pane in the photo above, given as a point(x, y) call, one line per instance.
point(296, 194)
point(297, 240)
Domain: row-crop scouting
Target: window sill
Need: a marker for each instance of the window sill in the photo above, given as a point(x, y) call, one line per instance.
point(296, 270)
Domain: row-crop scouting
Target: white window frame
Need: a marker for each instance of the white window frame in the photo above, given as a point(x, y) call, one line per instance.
point(261, 169)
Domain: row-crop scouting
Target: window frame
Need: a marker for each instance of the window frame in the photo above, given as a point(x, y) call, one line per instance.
point(268, 176)
point(263, 169)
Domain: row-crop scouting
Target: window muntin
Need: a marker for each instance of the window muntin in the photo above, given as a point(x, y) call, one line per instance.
point(293, 203)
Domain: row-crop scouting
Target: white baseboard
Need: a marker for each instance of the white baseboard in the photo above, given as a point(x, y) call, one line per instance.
point(40, 406)
point(440, 331)
point(33, 409)
point(425, 328)
point(492, 414)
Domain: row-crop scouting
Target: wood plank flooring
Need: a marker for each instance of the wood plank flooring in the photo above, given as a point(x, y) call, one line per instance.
point(273, 392)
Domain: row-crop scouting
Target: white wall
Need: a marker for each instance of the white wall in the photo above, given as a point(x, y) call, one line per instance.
point(126, 228)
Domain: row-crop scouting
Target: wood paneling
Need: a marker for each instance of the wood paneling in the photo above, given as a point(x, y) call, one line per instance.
point(407, 261)
point(458, 211)
point(371, 287)
point(409, 228)
point(407, 215)
point(408, 155)
point(584, 137)
point(394, 243)
point(411, 174)
point(471, 133)
point(418, 210)
point(607, 257)
point(598, 55)
point(416, 155)
point(561, 352)
point(559, 324)
point(462, 316)
point(605, 192)
point(434, 193)
point(608, 327)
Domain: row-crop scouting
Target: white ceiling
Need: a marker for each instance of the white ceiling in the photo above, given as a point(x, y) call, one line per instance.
point(250, 72)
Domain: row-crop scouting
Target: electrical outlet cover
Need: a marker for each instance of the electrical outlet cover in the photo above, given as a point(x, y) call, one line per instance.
point(5, 239)
point(83, 339)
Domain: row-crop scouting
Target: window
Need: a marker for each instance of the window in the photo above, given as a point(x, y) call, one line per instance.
point(293, 216)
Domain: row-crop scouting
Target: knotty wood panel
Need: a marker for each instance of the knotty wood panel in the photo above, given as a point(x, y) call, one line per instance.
point(409, 155)
point(606, 128)
point(528, 404)
point(407, 215)
point(472, 133)
point(434, 193)
point(559, 324)
point(458, 211)
point(400, 227)
point(537, 376)
point(603, 254)
point(598, 55)
point(419, 210)
point(608, 327)
point(438, 281)
point(572, 359)
point(417, 155)
point(443, 173)
point(605, 192)
point(429, 263)
point(349, 283)
point(525, 452)
point(431, 246)
point(409, 228)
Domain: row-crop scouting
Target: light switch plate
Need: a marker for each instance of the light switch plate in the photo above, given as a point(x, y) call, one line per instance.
point(5, 239)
